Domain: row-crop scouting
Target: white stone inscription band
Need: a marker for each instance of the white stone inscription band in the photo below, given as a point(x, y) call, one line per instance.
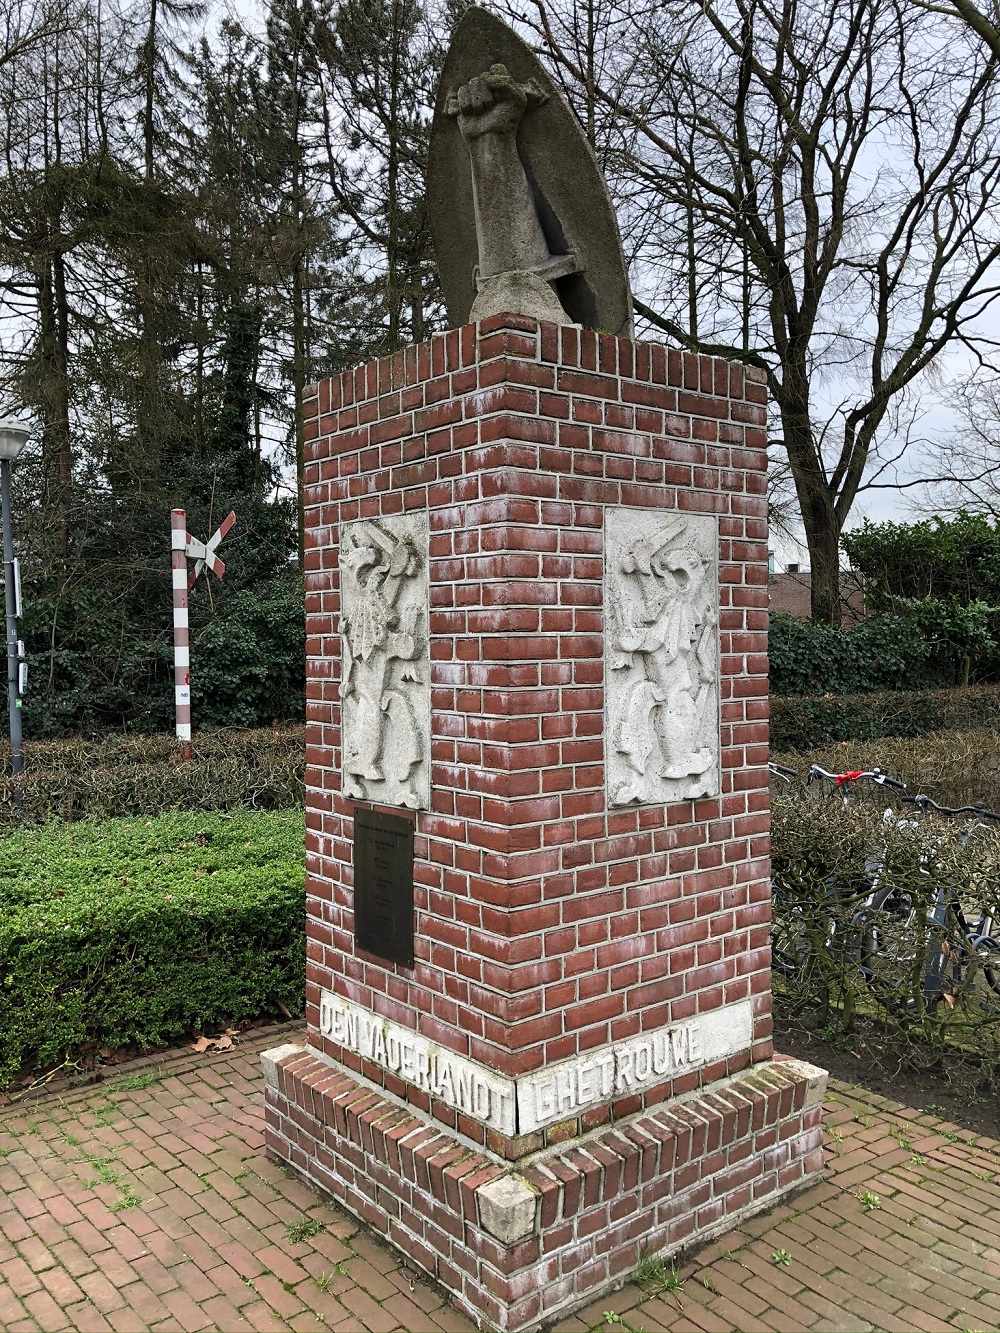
point(560, 1092)
point(464, 1084)
point(565, 1089)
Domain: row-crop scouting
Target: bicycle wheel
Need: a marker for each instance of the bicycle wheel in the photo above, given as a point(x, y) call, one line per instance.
point(887, 947)
point(972, 973)
point(790, 947)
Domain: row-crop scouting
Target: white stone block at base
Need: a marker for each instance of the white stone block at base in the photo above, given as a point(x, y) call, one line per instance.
point(815, 1077)
point(507, 1208)
point(270, 1060)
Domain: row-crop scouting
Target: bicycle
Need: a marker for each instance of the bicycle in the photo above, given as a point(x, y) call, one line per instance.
point(959, 946)
point(875, 924)
point(800, 944)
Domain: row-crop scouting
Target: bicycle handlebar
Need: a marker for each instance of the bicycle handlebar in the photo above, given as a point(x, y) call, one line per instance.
point(855, 775)
point(923, 802)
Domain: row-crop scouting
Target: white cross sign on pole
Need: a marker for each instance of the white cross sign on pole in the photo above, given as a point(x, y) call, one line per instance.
point(184, 547)
point(203, 553)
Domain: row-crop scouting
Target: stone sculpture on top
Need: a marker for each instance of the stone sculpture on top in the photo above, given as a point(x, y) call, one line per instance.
point(520, 215)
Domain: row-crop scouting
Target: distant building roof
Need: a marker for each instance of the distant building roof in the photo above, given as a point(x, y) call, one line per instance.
point(791, 592)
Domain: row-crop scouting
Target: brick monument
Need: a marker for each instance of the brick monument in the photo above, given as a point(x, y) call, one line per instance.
point(538, 993)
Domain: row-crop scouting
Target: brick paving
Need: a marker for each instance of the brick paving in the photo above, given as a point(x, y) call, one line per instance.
point(147, 1204)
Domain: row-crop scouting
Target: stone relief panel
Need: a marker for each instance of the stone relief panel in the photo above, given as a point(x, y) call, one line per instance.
point(385, 689)
point(661, 656)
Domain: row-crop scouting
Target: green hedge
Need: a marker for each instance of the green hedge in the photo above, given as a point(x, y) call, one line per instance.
point(259, 769)
point(136, 933)
point(881, 653)
point(99, 663)
point(805, 722)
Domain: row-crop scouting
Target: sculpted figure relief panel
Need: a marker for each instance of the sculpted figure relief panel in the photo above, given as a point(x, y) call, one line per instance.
point(385, 664)
point(661, 656)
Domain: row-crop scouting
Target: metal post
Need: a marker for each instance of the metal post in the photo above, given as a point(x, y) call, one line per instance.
point(10, 601)
point(182, 641)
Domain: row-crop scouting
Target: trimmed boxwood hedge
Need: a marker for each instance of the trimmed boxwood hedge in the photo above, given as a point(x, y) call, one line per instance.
point(803, 722)
point(137, 933)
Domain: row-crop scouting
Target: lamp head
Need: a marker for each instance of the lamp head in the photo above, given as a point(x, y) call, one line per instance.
point(13, 438)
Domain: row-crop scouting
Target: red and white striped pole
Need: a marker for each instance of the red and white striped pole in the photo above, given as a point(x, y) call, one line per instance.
point(182, 641)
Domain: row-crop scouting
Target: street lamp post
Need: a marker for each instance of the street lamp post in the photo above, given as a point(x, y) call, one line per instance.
point(13, 436)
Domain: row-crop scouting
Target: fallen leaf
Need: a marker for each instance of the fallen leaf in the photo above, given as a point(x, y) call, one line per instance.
point(223, 1043)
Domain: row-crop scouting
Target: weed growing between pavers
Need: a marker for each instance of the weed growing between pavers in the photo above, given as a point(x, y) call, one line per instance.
point(614, 1320)
point(657, 1273)
point(107, 1114)
point(304, 1230)
point(135, 1082)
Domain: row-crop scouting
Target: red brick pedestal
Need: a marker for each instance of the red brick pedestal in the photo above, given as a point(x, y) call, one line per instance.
point(577, 1071)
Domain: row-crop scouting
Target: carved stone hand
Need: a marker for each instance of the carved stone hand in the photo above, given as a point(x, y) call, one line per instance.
point(493, 103)
point(511, 243)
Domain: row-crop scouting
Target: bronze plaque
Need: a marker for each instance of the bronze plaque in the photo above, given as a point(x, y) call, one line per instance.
point(383, 885)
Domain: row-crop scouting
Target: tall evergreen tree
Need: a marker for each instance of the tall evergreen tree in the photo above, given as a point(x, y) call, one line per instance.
point(381, 61)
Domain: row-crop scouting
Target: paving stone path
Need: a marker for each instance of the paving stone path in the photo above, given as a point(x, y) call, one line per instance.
point(147, 1204)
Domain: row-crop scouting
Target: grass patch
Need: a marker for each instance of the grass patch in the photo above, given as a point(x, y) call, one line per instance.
point(136, 932)
point(651, 1271)
point(134, 1082)
point(303, 1230)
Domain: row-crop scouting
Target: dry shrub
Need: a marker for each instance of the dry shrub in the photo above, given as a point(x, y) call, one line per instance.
point(952, 767)
point(865, 927)
point(260, 769)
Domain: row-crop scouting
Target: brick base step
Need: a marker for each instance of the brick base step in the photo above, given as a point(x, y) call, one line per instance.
point(518, 1247)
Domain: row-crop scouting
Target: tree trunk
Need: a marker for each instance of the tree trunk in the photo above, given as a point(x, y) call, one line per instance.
point(55, 400)
point(816, 502)
point(64, 456)
point(692, 276)
point(823, 541)
point(393, 295)
point(150, 425)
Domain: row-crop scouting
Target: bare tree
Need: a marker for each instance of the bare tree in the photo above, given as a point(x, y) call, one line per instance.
point(966, 464)
point(985, 23)
point(817, 178)
point(28, 25)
